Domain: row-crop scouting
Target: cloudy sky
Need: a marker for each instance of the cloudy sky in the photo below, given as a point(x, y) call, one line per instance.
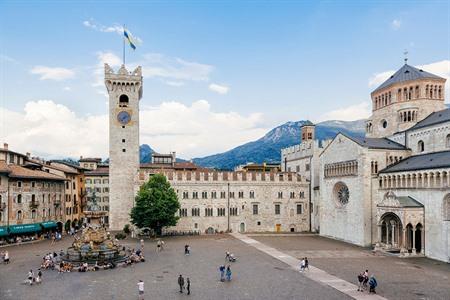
point(216, 75)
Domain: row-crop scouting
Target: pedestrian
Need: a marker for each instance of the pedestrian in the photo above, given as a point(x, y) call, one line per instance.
point(228, 273)
point(222, 273)
point(188, 286)
point(30, 277)
point(6, 257)
point(39, 277)
point(366, 279)
point(158, 246)
point(142, 245)
point(181, 282)
point(140, 286)
point(360, 281)
point(372, 284)
point(186, 251)
point(53, 239)
point(306, 263)
point(302, 265)
point(227, 256)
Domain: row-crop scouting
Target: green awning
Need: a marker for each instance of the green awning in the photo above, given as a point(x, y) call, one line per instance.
point(3, 231)
point(49, 225)
point(25, 228)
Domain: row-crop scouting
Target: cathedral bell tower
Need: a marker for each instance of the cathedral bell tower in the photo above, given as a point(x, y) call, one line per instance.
point(125, 91)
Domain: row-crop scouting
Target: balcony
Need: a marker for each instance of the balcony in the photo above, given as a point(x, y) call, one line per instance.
point(34, 205)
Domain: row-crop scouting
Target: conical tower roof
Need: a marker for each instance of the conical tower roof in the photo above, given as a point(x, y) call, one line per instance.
point(406, 73)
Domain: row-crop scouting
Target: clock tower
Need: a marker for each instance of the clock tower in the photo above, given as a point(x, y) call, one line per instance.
point(125, 91)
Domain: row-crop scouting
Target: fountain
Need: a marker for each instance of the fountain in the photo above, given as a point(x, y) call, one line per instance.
point(94, 244)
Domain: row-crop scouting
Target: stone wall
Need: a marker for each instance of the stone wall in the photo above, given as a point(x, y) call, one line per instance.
point(435, 138)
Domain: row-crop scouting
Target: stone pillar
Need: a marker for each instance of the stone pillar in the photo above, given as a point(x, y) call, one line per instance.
point(387, 234)
point(403, 245)
point(393, 233)
point(378, 244)
point(422, 241)
point(414, 240)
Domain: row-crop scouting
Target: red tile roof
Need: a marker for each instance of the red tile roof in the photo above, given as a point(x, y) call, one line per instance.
point(21, 172)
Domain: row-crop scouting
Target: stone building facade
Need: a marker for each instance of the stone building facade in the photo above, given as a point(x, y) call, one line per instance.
point(97, 184)
point(391, 189)
point(125, 91)
point(238, 201)
point(28, 195)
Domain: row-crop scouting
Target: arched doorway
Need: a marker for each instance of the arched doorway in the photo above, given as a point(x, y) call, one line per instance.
point(391, 228)
point(242, 227)
point(418, 238)
point(409, 237)
point(210, 230)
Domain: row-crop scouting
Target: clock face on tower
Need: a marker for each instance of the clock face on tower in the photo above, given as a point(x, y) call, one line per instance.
point(123, 117)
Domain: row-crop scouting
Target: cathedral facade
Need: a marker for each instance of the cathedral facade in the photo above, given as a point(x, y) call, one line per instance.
point(391, 189)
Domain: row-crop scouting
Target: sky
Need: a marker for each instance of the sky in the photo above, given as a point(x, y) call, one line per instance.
point(217, 74)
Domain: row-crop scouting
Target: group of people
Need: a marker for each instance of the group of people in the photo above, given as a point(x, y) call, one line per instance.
point(304, 264)
point(225, 273)
point(181, 284)
point(364, 279)
point(32, 279)
point(4, 256)
point(50, 260)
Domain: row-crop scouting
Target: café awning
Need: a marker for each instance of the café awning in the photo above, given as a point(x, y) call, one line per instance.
point(3, 231)
point(25, 228)
point(49, 225)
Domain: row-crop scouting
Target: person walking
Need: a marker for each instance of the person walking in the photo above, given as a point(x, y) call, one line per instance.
point(306, 263)
point(302, 265)
point(181, 282)
point(366, 279)
point(222, 273)
point(39, 277)
point(142, 245)
point(360, 282)
point(372, 284)
point(140, 286)
point(30, 277)
point(228, 273)
point(53, 239)
point(188, 286)
point(6, 257)
point(158, 246)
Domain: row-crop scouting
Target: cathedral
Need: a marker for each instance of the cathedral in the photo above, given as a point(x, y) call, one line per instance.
point(391, 189)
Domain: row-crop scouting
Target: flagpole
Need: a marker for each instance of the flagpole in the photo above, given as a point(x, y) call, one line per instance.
point(123, 37)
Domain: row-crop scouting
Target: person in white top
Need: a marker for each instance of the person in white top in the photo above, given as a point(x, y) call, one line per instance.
point(302, 265)
point(140, 285)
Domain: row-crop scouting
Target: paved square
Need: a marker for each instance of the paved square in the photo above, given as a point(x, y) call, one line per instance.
point(255, 276)
point(398, 278)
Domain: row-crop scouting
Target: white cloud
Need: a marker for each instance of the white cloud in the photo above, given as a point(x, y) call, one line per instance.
point(67, 88)
point(220, 89)
point(47, 128)
point(174, 83)
point(49, 73)
point(162, 66)
point(396, 24)
point(104, 57)
point(350, 113)
point(440, 68)
point(114, 28)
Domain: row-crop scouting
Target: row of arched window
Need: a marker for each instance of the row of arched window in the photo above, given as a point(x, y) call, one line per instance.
point(407, 116)
point(383, 100)
point(416, 180)
point(347, 168)
point(34, 213)
point(432, 91)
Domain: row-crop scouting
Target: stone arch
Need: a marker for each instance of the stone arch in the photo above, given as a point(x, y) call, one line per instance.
point(420, 146)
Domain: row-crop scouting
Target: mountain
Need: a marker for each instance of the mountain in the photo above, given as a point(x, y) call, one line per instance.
point(267, 148)
point(145, 153)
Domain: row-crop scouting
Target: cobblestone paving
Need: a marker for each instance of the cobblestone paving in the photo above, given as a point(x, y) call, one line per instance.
point(255, 275)
point(398, 278)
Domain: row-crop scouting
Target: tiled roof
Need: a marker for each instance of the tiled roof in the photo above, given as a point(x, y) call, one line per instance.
point(4, 167)
point(377, 143)
point(421, 162)
point(100, 171)
point(21, 172)
point(406, 73)
point(433, 119)
point(90, 159)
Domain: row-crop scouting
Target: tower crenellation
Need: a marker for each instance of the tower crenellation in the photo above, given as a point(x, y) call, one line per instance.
point(125, 91)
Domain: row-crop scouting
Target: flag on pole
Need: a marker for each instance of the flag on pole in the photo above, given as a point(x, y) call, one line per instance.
point(129, 38)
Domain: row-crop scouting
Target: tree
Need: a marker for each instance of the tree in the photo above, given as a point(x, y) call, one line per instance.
point(156, 205)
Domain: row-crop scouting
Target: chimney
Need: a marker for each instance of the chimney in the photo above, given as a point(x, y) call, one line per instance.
point(5, 146)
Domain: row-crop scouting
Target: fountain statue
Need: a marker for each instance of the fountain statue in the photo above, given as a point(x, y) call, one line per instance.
point(94, 244)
